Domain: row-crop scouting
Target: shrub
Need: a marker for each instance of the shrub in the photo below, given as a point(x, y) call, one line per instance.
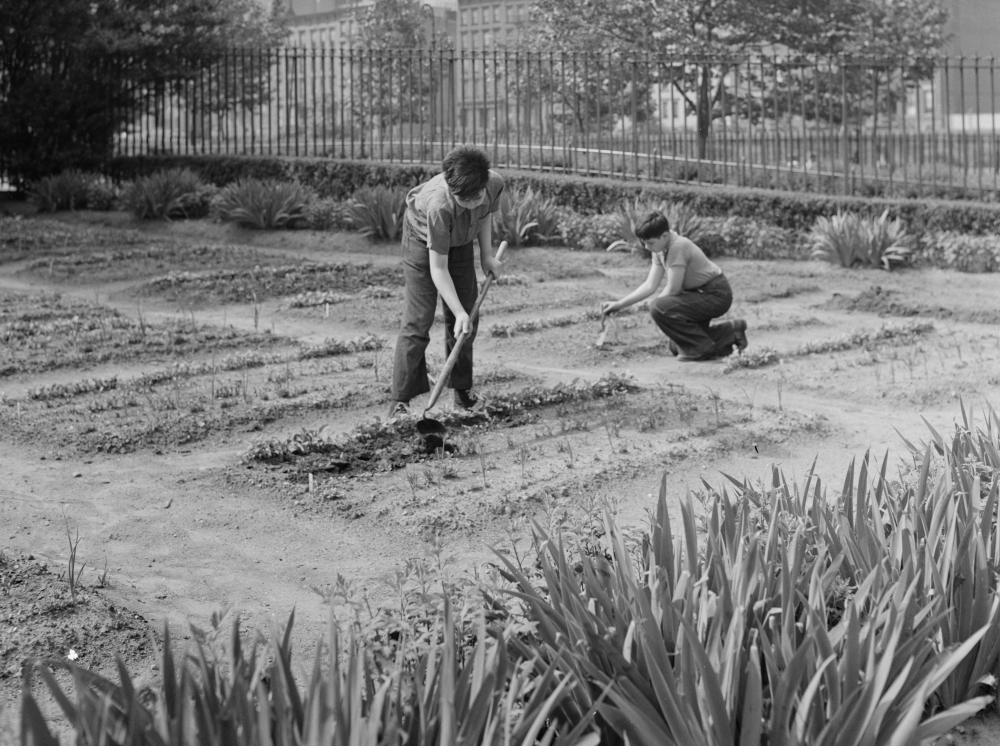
point(67, 190)
point(264, 205)
point(102, 194)
point(749, 239)
point(377, 212)
point(524, 217)
point(586, 195)
point(327, 177)
point(588, 232)
point(172, 193)
point(74, 190)
point(324, 214)
point(964, 253)
point(853, 239)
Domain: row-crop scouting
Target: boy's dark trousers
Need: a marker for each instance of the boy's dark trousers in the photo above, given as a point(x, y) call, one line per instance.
point(685, 319)
point(409, 370)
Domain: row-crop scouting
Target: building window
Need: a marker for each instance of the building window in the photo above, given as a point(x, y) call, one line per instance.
point(496, 14)
point(465, 40)
point(465, 17)
point(487, 40)
point(929, 99)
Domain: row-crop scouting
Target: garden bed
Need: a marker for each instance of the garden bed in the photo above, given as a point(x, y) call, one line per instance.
point(215, 464)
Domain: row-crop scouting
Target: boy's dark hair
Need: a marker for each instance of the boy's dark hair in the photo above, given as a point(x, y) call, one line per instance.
point(466, 171)
point(653, 225)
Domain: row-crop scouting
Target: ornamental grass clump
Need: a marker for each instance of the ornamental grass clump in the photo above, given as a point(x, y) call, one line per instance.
point(377, 212)
point(73, 190)
point(264, 204)
point(786, 615)
point(166, 194)
point(252, 696)
point(526, 217)
point(63, 191)
point(851, 240)
point(683, 219)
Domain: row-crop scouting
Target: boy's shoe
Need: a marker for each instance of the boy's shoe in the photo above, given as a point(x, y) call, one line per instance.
point(466, 398)
point(740, 333)
point(398, 409)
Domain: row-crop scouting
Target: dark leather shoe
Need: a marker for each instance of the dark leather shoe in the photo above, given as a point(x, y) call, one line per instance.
point(466, 398)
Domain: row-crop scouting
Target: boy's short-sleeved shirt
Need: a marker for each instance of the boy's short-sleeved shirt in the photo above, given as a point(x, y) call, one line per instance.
point(435, 219)
point(684, 254)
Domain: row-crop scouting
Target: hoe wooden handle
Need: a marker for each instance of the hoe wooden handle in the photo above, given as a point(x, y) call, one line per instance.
point(473, 314)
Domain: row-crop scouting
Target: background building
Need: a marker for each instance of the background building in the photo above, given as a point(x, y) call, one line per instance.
point(333, 23)
point(970, 89)
point(488, 24)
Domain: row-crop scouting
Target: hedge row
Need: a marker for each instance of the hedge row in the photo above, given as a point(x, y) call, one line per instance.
point(339, 179)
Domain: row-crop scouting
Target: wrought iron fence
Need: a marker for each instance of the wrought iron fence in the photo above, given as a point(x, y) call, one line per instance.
point(899, 127)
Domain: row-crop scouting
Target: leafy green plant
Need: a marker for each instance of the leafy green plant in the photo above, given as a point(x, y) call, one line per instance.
point(171, 193)
point(72, 573)
point(682, 217)
point(326, 214)
point(850, 239)
point(750, 239)
point(587, 232)
point(796, 619)
point(68, 190)
point(377, 212)
point(265, 205)
point(962, 252)
point(525, 217)
point(252, 698)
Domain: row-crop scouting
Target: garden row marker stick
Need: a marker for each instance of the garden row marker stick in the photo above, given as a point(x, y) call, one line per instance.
point(426, 425)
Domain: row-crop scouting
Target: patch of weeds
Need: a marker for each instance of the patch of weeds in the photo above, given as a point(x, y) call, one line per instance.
point(235, 286)
point(865, 337)
point(47, 331)
point(534, 325)
point(762, 356)
point(125, 263)
point(757, 357)
point(513, 279)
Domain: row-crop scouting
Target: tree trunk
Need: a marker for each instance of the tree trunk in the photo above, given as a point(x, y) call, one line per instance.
point(704, 111)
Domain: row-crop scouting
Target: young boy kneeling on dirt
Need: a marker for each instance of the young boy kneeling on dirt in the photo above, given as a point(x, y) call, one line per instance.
point(697, 291)
point(443, 216)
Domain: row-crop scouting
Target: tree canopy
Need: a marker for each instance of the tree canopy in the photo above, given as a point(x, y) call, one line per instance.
point(72, 70)
point(726, 27)
point(697, 42)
